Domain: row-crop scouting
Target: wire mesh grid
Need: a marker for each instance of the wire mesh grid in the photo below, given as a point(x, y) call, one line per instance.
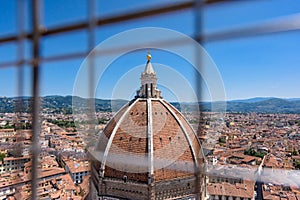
point(37, 32)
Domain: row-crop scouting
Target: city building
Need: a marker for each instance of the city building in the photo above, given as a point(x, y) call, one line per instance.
point(77, 170)
point(148, 150)
point(237, 191)
point(11, 163)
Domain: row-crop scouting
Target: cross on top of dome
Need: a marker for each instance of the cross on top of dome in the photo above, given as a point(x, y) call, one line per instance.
point(148, 56)
point(149, 69)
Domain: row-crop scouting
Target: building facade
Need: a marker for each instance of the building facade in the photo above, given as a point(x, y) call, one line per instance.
point(11, 163)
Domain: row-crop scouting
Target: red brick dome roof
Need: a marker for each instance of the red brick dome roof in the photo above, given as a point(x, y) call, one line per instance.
point(148, 139)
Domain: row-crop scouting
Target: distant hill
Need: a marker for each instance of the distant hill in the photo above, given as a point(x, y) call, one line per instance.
point(258, 105)
point(57, 104)
point(269, 105)
point(252, 100)
point(63, 104)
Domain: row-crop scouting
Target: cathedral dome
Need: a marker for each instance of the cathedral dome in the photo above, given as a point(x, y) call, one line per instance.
point(148, 150)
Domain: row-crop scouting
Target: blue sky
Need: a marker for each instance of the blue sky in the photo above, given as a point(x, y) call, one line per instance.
point(250, 67)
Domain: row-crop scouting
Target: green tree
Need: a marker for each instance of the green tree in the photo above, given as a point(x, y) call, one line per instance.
point(222, 140)
point(102, 121)
point(294, 153)
point(297, 164)
point(253, 152)
point(2, 156)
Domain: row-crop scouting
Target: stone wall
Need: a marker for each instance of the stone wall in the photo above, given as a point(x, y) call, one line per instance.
point(123, 189)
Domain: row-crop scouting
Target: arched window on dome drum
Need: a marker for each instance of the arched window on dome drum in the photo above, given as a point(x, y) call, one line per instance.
point(151, 90)
point(146, 90)
point(125, 178)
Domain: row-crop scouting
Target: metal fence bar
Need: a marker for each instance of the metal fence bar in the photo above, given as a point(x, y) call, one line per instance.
point(134, 15)
point(280, 25)
point(35, 92)
point(198, 6)
point(21, 50)
point(20, 76)
point(92, 24)
point(91, 65)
